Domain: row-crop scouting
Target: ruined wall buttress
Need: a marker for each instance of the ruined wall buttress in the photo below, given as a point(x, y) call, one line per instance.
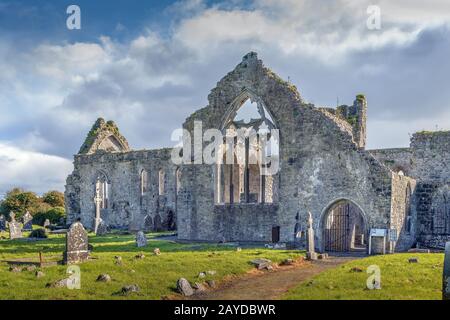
point(431, 156)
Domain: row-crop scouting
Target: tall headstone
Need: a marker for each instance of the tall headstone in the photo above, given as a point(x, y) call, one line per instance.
point(102, 228)
point(46, 223)
point(446, 274)
point(27, 221)
point(2, 223)
point(15, 230)
point(141, 240)
point(310, 250)
point(76, 244)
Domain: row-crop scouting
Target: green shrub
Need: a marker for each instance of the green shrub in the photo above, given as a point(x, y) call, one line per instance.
point(38, 233)
point(54, 198)
point(54, 215)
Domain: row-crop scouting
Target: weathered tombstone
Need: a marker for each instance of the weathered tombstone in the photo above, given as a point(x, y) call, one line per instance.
point(15, 230)
point(184, 287)
point(76, 244)
point(102, 228)
point(46, 223)
point(446, 274)
point(311, 252)
point(2, 223)
point(141, 240)
point(27, 221)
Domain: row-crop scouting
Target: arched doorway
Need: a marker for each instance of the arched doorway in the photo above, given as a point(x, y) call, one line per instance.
point(343, 227)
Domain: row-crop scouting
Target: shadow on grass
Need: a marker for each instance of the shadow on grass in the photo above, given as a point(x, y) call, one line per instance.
point(104, 244)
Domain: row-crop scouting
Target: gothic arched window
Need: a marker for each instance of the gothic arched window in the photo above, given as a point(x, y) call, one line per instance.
point(144, 182)
point(102, 190)
point(440, 211)
point(248, 158)
point(408, 211)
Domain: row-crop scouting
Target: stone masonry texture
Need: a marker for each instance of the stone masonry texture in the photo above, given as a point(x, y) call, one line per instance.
point(322, 161)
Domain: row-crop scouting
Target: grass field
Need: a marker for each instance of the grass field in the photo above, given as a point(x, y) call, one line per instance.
point(400, 280)
point(155, 275)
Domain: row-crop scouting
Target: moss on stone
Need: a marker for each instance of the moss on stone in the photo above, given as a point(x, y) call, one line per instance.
point(425, 132)
point(99, 126)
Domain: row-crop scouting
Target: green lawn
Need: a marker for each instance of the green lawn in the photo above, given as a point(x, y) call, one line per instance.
point(155, 275)
point(400, 280)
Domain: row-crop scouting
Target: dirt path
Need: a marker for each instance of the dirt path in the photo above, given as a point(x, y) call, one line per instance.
point(265, 285)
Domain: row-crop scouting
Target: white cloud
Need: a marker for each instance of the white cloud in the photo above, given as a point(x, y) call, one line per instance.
point(31, 170)
point(53, 93)
point(69, 63)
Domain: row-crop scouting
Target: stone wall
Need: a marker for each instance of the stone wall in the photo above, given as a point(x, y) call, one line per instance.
point(322, 161)
point(403, 204)
point(319, 160)
point(128, 207)
point(397, 159)
point(431, 156)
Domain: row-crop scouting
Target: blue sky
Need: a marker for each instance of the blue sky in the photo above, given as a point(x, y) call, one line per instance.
point(148, 64)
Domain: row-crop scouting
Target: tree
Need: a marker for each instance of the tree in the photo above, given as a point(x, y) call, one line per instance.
point(54, 198)
point(54, 215)
point(19, 201)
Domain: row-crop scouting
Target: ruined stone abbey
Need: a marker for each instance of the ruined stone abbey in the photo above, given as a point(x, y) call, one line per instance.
point(324, 169)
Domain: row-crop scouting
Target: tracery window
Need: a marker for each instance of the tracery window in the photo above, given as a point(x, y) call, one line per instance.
point(243, 174)
point(102, 190)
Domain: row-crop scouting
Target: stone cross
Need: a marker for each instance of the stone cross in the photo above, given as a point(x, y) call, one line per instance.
point(98, 201)
point(15, 230)
point(27, 221)
point(141, 240)
point(310, 252)
point(76, 244)
point(12, 216)
point(446, 274)
point(2, 223)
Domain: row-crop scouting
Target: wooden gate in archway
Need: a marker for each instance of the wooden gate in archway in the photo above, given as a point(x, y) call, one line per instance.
point(343, 227)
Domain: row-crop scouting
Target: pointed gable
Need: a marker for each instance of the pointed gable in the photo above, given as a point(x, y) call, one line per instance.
point(104, 136)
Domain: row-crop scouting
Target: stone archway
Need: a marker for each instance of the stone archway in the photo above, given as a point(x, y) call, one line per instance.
point(343, 227)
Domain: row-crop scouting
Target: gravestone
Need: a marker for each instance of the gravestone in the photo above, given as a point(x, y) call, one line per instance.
point(311, 252)
point(15, 229)
point(141, 240)
point(46, 223)
point(76, 244)
point(2, 223)
point(102, 228)
point(27, 221)
point(446, 274)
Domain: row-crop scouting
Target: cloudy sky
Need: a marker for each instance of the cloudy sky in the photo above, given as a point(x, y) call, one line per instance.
point(149, 64)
